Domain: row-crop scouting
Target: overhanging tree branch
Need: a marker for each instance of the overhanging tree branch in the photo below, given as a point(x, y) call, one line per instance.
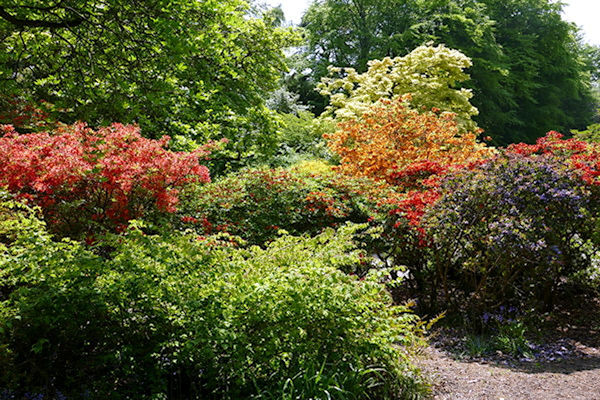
point(38, 23)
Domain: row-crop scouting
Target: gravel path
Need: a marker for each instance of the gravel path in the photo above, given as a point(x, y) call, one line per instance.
point(568, 379)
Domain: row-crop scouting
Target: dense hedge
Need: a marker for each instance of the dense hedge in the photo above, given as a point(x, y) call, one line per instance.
point(173, 317)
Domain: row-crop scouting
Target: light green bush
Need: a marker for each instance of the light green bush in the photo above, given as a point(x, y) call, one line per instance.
point(168, 316)
point(430, 74)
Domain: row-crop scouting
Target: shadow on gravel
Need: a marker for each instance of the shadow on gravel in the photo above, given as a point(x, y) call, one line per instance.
point(577, 361)
point(557, 367)
point(564, 355)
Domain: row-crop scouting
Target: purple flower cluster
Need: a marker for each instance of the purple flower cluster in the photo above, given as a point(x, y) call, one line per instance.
point(504, 314)
point(511, 226)
point(6, 394)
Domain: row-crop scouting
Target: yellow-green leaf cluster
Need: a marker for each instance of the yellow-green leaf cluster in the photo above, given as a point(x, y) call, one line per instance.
point(431, 75)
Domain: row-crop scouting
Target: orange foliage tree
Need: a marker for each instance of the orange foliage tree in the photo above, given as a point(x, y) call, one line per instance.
point(391, 136)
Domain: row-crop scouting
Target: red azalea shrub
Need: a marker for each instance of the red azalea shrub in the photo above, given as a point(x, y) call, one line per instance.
point(89, 180)
point(418, 174)
point(416, 189)
point(553, 143)
point(402, 241)
point(583, 157)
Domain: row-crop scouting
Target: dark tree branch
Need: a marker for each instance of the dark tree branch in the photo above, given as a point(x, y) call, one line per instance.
point(48, 8)
point(22, 23)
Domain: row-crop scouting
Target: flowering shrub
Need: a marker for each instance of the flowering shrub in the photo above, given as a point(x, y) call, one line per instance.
point(508, 231)
point(493, 231)
point(398, 215)
point(583, 157)
point(85, 180)
point(553, 143)
point(391, 136)
point(256, 203)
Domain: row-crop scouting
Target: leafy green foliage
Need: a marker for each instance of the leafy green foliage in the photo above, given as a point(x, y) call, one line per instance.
point(530, 74)
point(548, 82)
point(170, 316)
point(255, 204)
point(350, 33)
point(301, 138)
point(508, 338)
point(429, 74)
point(511, 339)
point(199, 69)
point(17, 220)
point(591, 134)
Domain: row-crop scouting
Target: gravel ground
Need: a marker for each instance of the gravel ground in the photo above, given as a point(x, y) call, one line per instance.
point(564, 364)
point(573, 377)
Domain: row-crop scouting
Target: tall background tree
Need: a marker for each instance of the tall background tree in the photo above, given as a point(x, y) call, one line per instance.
point(201, 69)
point(530, 72)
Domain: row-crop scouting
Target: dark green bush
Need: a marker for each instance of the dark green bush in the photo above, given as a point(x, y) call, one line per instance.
point(174, 317)
point(255, 204)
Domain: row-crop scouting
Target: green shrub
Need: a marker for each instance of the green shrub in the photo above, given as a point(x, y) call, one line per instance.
point(591, 134)
point(511, 339)
point(16, 220)
point(256, 203)
point(301, 138)
point(175, 317)
point(508, 337)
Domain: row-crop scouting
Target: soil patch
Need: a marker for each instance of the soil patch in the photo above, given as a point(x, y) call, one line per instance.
point(564, 363)
point(567, 379)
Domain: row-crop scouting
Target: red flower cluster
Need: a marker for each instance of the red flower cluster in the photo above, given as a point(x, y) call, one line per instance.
point(552, 143)
point(319, 201)
point(415, 204)
point(421, 181)
point(589, 166)
point(78, 175)
point(419, 174)
point(582, 157)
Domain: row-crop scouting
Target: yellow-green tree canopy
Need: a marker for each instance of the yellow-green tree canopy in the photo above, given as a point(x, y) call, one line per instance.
point(430, 74)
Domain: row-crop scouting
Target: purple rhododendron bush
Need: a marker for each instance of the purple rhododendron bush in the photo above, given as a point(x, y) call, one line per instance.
point(508, 232)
